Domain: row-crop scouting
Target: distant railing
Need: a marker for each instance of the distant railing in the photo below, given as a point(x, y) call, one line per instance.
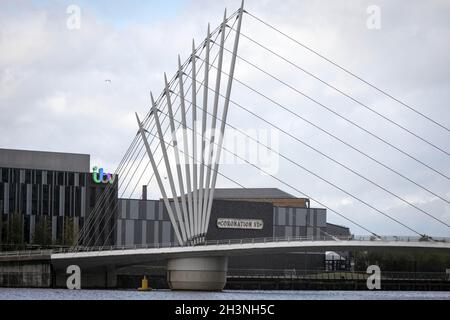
point(39, 251)
point(292, 274)
point(26, 253)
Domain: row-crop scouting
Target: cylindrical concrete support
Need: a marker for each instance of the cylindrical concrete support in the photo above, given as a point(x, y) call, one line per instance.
point(197, 274)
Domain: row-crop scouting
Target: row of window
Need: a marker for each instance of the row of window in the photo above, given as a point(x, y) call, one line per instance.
point(51, 200)
point(28, 176)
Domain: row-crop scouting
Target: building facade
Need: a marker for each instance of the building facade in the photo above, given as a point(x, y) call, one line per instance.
point(146, 222)
point(46, 197)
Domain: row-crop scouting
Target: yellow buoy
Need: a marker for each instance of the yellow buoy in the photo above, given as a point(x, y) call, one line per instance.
point(144, 286)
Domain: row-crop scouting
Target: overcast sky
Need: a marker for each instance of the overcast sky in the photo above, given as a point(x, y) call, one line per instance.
point(54, 97)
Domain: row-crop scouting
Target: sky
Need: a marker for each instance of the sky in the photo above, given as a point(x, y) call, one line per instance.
point(54, 97)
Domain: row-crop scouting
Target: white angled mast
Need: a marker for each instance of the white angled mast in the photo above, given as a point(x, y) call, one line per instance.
point(194, 142)
point(159, 181)
point(204, 118)
point(169, 170)
point(224, 118)
point(177, 159)
point(214, 120)
point(192, 217)
point(186, 148)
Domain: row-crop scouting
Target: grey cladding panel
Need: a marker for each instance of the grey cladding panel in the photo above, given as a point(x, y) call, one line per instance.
point(166, 231)
point(129, 233)
point(134, 209)
point(321, 218)
point(137, 232)
point(151, 210)
point(281, 216)
point(44, 160)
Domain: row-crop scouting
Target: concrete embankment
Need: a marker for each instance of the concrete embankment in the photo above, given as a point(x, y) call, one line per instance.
point(26, 270)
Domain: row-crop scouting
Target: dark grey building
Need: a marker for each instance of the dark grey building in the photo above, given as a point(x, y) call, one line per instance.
point(45, 197)
point(277, 214)
point(281, 215)
point(337, 230)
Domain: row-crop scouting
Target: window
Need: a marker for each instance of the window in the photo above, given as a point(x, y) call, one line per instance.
point(92, 197)
point(2, 193)
point(78, 203)
point(71, 179)
point(5, 175)
point(67, 201)
point(28, 176)
point(281, 216)
point(39, 177)
point(15, 176)
point(56, 200)
point(45, 199)
point(34, 200)
point(83, 179)
point(23, 198)
point(60, 178)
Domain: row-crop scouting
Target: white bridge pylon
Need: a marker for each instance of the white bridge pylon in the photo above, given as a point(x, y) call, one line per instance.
point(192, 185)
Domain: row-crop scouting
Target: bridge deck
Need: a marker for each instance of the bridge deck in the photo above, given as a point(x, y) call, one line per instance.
point(133, 256)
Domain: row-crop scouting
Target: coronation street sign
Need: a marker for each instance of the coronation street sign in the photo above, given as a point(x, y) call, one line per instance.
point(227, 223)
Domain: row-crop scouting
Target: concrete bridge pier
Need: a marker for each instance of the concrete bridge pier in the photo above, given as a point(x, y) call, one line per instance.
point(197, 274)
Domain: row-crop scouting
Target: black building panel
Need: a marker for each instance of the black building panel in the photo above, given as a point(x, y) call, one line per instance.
point(240, 210)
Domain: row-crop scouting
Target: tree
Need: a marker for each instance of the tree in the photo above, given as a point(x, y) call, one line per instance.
point(69, 232)
point(15, 232)
point(43, 232)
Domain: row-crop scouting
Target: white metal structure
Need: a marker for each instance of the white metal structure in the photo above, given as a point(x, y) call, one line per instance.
point(190, 214)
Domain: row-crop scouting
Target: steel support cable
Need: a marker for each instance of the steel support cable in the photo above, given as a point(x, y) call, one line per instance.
point(215, 58)
point(296, 189)
point(329, 182)
point(103, 196)
point(175, 113)
point(126, 160)
point(160, 160)
point(105, 193)
point(190, 156)
point(337, 162)
point(96, 222)
point(339, 139)
point(346, 95)
point(350, 73)
point(201, 48)
point(340, 116)
point(131, 150)
point(124, 178)
point(201, 85)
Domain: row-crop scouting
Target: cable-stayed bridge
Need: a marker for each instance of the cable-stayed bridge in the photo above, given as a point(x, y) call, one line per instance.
point(180, 142)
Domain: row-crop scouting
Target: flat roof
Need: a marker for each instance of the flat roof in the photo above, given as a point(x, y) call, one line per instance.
point(251, 193)
point(44, 160)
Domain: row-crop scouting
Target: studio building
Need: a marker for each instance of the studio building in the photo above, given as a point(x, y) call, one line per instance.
point(46, 197)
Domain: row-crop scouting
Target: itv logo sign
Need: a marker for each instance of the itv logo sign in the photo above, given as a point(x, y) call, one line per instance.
point(99, 176)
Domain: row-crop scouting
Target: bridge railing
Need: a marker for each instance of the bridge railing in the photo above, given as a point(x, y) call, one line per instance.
point(255, 240)
point(332, 275)
point(46, 250)
point(25, 253)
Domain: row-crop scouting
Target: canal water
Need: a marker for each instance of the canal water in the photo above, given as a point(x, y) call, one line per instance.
point(61, 294)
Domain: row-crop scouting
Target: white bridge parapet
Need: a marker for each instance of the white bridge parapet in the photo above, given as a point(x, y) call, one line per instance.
point(131, 256)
